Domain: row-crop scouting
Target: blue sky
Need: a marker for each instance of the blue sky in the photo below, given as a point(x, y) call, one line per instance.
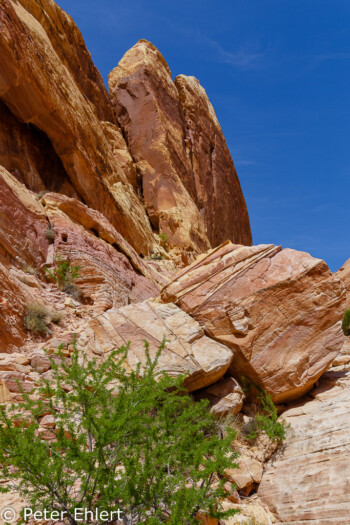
point(278, 75)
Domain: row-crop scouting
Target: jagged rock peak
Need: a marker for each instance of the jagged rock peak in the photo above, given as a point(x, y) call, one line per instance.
point(174, 136)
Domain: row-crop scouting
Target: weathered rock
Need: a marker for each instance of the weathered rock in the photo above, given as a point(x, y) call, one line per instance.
point(47, 79)
point(308, 481)
point(251, 512)
point(344, 275)
point(247, 475)
point(23, 224)
point(27, 153)
point(214, 185)
point(276, 309)
point(148, 110)
point(188, 351)
point(107, 277)
point(225, 397)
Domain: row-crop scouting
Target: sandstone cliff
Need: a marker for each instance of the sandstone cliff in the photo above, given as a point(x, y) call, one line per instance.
point(138, 188)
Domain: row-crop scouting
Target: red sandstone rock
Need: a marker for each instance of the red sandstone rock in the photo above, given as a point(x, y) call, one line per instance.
point(107, 276)
point(148, 109)
point(214, 184)
point(49, 81)
point(276, 309)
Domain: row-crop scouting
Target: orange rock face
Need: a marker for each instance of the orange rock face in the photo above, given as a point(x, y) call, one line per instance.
point(177, 143)
point(217, 191)
point(55, 87)
point(148, 110)
point(276, 309)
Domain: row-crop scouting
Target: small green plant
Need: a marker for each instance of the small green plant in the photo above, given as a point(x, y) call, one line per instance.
point(63, 272)
point(41, 194)
point(151, 450)
point(346, 322)
point(164, 239)
point(50, 235)
point(266, 419)
point(37, 317)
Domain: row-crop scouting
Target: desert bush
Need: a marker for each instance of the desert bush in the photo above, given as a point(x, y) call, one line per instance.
point(346, 322)
point(151, 450)
point(266, 418)
point(76, 292)
point(63, 272)
point(57, 316)
point(50, 235)
point(29, 269)
point(37, 317)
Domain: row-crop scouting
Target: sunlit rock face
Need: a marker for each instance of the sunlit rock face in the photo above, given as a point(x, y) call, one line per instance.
point(278, 310)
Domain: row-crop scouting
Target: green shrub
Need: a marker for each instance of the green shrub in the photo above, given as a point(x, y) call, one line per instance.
point(266, 419)
point(164, 239)
point(50, 235)
point(150, 450)
point(63, 272)
point(346, 322)
point(41, 194)
point(37, 317)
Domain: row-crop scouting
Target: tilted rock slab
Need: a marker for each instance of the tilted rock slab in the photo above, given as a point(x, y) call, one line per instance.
point(47, 79)
point(188, 352)
point(308, 481)
point(276, 309)
point(190, 186)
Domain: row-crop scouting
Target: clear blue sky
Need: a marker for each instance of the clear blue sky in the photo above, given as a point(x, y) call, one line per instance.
point(278, 75)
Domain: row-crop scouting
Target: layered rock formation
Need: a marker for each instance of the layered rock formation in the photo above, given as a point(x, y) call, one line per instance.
point(56, 88)
point(276, 309)
point(307, 482)
point(113, 174)
point(188, 351)
point(175, 139)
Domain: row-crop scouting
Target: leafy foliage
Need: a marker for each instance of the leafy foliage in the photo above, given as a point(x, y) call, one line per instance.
point(346, 322)
point(122, 439)
point(164, 238)
point(63, 272)
point(266, 419)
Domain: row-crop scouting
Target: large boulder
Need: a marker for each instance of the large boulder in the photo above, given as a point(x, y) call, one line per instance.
point(276, 309)
point(188, 351)
point(308, 480)
point(47, 80)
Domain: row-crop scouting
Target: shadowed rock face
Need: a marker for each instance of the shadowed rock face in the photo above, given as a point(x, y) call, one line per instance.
point(308, 481)
point(27, 153)
point(276, 309)
point(190, 185)
point(47, 81)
